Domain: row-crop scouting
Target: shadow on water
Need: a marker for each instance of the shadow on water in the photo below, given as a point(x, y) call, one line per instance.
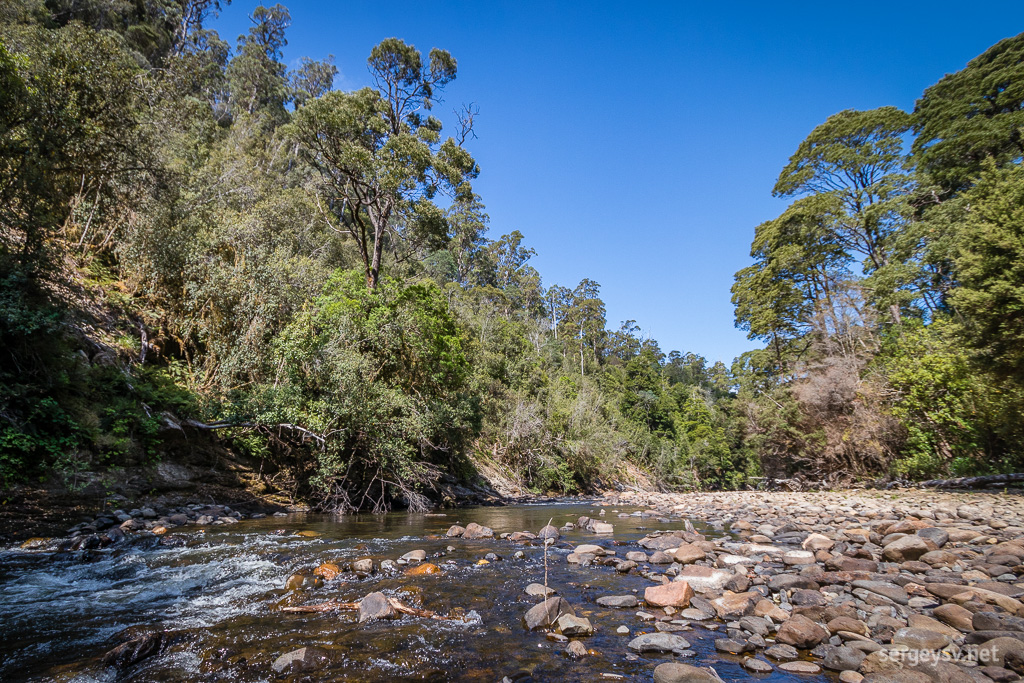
point(218, 591)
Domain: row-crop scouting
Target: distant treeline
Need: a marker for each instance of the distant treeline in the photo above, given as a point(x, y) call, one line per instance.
point(195, 237)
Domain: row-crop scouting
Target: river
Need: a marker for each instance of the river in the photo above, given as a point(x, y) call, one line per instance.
point(217, 590)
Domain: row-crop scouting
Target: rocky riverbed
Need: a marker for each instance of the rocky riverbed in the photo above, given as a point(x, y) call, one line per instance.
point(849, 586)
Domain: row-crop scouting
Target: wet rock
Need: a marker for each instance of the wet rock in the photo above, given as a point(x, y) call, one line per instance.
point(674, 594)
point(732, 647)
point(618, 601)
point(425, 569)
point(363, 566)
point(636, 556)
point(674, 672)
point(658, 642)
point(601, 528)
point(590, 549)
point(375, 606)
point(547, 612)
point(782, 653)
point(454, 531)
point(303, 659)
point(800, 632)
point(576, 649)
point(415, 556)
point(573, 626)
point(475, 531)
point(135, 650)
point(302, 581)
point(549, 531)
point(328, 570)
point(757, 666)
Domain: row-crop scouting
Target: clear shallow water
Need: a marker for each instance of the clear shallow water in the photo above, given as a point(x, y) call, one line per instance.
point(219, 593)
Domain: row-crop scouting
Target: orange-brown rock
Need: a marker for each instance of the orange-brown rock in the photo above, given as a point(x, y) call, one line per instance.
point(423, 569)
point(673, 594)
point(328, 570)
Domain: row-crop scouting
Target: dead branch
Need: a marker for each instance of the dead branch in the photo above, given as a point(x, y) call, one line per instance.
point(334, 605)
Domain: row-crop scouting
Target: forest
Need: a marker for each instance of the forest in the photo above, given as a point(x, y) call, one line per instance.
point(196, 238)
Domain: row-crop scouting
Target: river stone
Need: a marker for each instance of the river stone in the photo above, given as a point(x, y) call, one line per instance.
point(545, 613)
point(704, 579)
point(303, 659)
point(920, 639)
point(674, 672)
point(956, 616)
point(782, 582)
point(636, 556)
point(885, 589)
point(618, 601)
point(549, 531)
point(688, 553)
point(658, 642)
point(571, 625)
point(375, 606)
point(328, 570)
point(576, 649)
point(800, 632)
point(992, 621)
point(934, 534)
point(796, 557)
point(816, 542)
point(798, 667)
point(415, 556)
point(474, 531)
point(424, 569)
point(755, 625)
point(455, 530)
point(589, 549)
point(757, 666)
point(783, 653)
point(674, 594)
point(998, 650)
point(539, 590)
point(807, 598)
point(659, 542)
point(732, 647)
point(906, 548)
point(363, 566)
point(735, 605)
point(659, 557)
point(843, 659)
point(929, 624)
point(601, 528)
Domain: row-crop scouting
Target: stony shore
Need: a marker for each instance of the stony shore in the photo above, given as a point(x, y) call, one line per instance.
point(895, 586)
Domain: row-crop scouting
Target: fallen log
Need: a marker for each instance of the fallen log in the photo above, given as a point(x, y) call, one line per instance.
point(988, 481)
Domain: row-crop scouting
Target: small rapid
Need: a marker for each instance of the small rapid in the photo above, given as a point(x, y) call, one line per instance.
point(216, 593)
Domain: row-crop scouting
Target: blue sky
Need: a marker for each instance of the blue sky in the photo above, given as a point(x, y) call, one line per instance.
point(637, 145)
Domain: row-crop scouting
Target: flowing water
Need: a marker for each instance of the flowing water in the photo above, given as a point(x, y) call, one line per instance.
point(218, 591)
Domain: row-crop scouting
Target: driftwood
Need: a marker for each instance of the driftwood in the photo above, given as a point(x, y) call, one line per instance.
point(995, 480)
point(334, 605)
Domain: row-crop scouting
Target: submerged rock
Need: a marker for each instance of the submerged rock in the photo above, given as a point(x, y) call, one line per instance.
point(303, 659)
